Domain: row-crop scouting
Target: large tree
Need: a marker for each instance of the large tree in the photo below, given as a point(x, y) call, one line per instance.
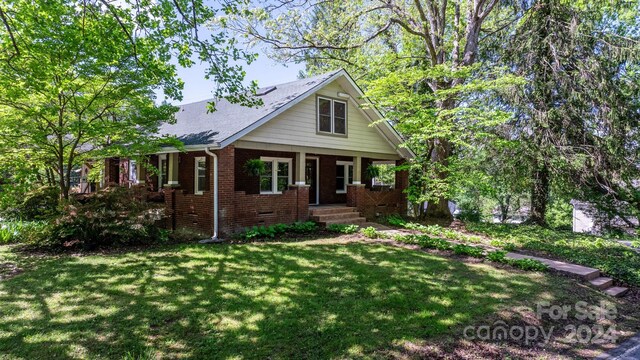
point(577, 115)
point(376, 38)
point(78, 78)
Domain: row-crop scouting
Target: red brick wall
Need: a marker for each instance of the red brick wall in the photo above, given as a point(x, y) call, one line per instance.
point(255, 209)
point(226, 190)
point(302, 202)
point(372, 204)
point(189, 210)
point(183, 208)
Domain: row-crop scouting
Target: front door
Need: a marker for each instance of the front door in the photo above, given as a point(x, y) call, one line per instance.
point(311, 179)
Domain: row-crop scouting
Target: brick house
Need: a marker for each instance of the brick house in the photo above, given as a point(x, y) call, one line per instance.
point(316, 138)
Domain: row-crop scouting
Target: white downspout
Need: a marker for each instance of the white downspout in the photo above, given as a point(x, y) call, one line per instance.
point(214, 238)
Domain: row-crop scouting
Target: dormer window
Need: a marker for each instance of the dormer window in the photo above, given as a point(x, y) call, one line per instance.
point(332, 116)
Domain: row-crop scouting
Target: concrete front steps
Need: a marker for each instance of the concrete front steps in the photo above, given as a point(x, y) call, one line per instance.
point(335, 215)
point(588, 274)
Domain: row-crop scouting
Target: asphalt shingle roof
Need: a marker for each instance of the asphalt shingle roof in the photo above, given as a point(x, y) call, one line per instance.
point(195, 126)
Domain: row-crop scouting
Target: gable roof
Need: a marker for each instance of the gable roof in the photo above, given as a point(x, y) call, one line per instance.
point(195, 126)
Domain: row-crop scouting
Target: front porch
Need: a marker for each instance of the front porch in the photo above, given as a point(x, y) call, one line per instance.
point(334, 181)
point(290, 184)
point(328, 174)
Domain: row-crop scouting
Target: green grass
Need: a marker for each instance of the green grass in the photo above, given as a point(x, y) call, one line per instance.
point(294, 300)
point(605, 254)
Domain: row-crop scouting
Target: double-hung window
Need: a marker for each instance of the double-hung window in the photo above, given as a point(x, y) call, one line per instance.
point(200, 175)
point(344, 176)
point(332, 116)
point(276, 176)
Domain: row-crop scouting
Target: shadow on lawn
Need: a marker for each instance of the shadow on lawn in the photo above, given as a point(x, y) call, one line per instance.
point(278, 301)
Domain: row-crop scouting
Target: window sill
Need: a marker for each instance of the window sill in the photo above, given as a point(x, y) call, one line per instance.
point(198, 193)
point(318, 132)
point(270, 193)
point(341, 191)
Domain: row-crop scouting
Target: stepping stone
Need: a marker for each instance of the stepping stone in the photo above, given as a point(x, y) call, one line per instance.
point(616, 291)
point(602, 283)
point(583, 272)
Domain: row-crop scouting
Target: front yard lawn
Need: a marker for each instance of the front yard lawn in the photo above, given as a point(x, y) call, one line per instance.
point(312, 299)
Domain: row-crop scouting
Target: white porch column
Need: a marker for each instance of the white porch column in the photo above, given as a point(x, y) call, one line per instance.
point(357, 170)
point(173, 169)
point(301, 160)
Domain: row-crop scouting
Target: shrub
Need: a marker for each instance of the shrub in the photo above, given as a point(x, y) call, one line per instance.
point(370, 232)
point(497, 256)
point(469, 215)
point(8, 233)
point(306, 227)
point(343, 228)
point(528, 264)
point(17, 231)
point(467, 250)
point(396, 220)
point(559, 215)
point(426, 242)
point(113, 216)
point(259, 232)
point(39, 204)
point(270, 232)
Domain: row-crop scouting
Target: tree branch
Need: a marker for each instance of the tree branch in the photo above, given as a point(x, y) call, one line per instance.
point(13, 39)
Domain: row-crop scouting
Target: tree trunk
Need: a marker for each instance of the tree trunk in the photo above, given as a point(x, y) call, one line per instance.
point(440, 155)
point(539, 195)
point(439, 210)
point(505, 204)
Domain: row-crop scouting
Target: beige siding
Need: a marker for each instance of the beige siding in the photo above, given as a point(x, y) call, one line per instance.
point(297, 126)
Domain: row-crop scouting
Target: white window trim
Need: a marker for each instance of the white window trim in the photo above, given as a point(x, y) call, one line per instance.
point(196, 179)
point(274, 173)
point(346, 164)
point(333, 118)
point(161, 157)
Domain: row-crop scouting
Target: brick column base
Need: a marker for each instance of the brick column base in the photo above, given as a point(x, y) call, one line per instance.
point(354, 195)
point(170, 207)
point(302, 201)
